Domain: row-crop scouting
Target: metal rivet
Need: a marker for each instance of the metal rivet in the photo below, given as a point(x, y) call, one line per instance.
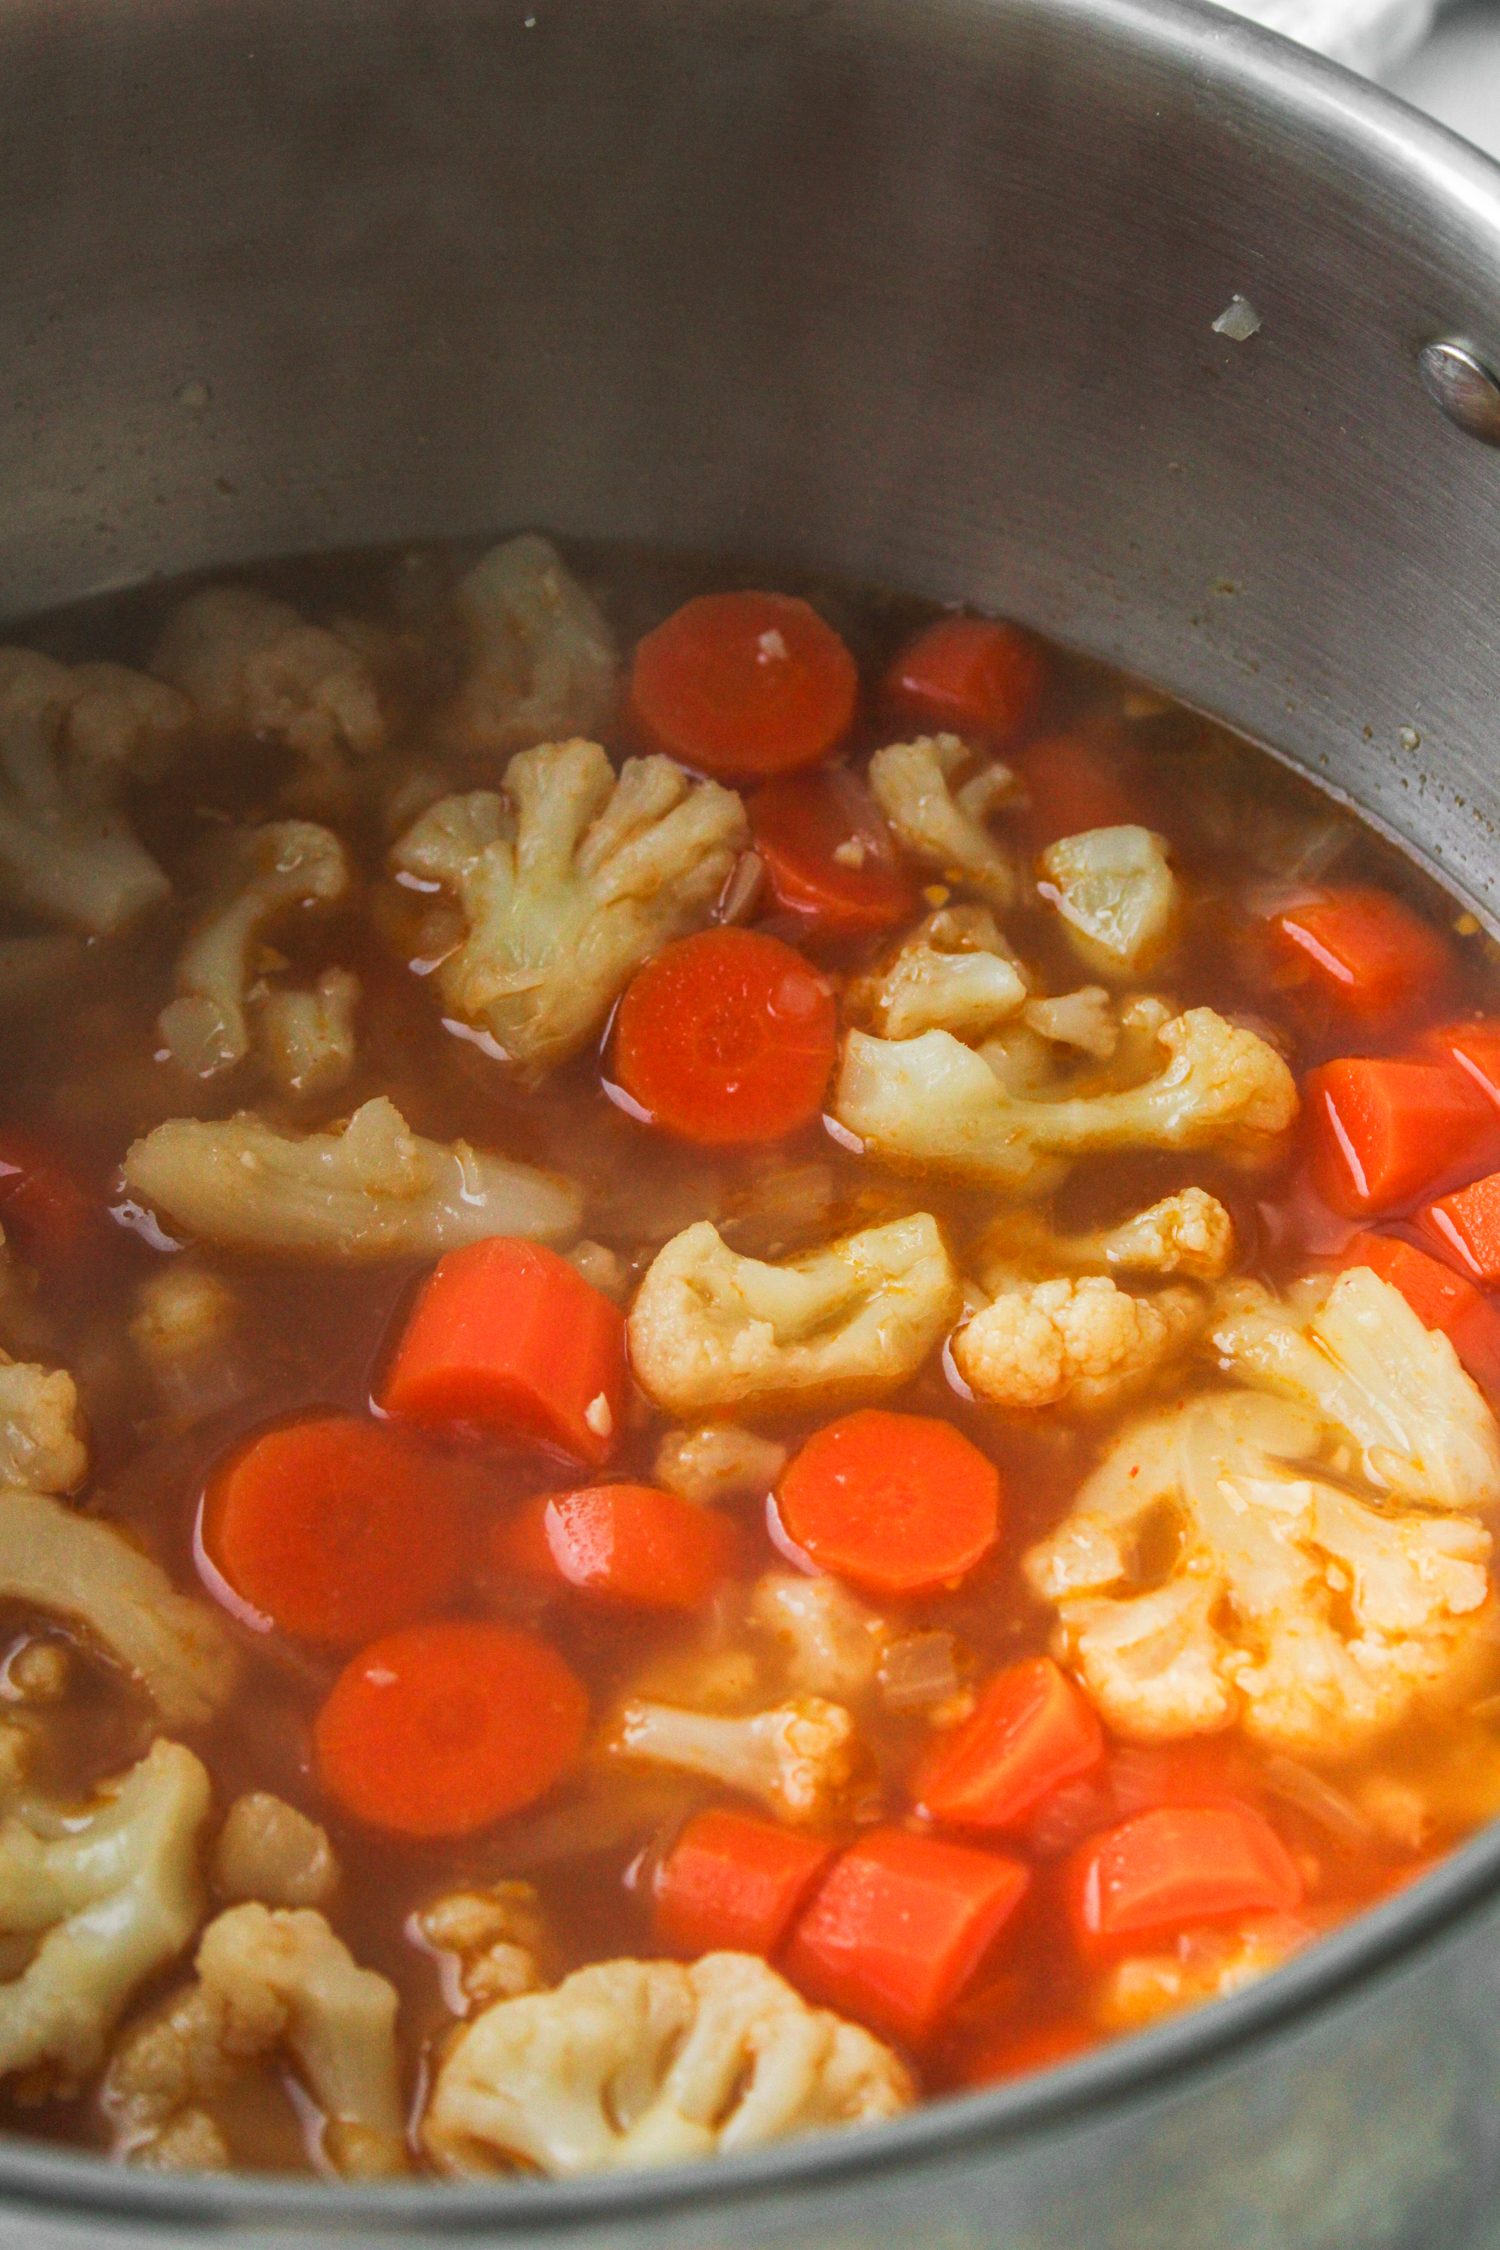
point(1457, 380)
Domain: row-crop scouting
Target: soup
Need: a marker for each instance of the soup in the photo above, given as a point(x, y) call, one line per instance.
point(748, 1364)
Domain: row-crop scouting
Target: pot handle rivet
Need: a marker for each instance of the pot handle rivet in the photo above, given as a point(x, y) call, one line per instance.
point(1457, 380)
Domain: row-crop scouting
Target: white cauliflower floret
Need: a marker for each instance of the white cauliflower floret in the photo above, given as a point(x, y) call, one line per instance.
point(833, 1644)
point(1116, 894)
point(68, 738)
point(253, 665)
point(631, 2063)
point(1189, 1233)
point(718, 1462)
point(568, 882)
point(710, 1330)
point(309, 1037)
point(1315, 1619)
point(1084, 1343)
point(939, 819)
point(40, 1444)
point(1084, 1019)
point(954, 973)
point(266, 1982)
point(544, 661)
point(493, 1941)
point(375, 1190)
point(1208, 1964)
point(933, 1101)
point(1355, 1352)
point(287, 867)
point(269, 1851)
point(109, 1889)
point(798, 1757)
point(184, 1326)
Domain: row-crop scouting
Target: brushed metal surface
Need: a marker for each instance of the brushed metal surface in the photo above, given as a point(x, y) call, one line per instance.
point(916, 290)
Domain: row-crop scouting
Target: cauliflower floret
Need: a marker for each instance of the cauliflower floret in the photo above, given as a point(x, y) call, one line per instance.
point(266, 1981)
point(1084, 1343)
point(285, 867)
point(1116, 894)
point(1356, 1354)
point(184, 1327)
point(833, 1644)
point(632, 2063)
point(798, 1757)
point(1315, 1619)
point(40, 1445)
point(251, 664)
point(718, 1462)
point(939, 819)
point(269, 1851)
point(1207, 1965)
point(544, 661)
point(309, 1037)
point(710, 1330)
point(67, 740)
point(375, 1190)
point(1189, 1233)
point(492, 1943)
point(1084, 1019)
point(954, 973)
point(932, 1101)
point(568, 882)
point(110, 1891)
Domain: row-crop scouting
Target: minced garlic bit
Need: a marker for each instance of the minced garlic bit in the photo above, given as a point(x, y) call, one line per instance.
point(598, 1416)
point(851, 853)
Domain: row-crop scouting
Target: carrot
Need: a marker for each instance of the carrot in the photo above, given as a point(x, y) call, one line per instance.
point(968, 675)
point(445, 1728)
point(1379, 1132)
point(743, 685)
point(1030, 1732)
point(734, 1884)
point(1076, 782)
point(898, 1926)
point(626, 1542)
point(1157, 1874)
point(1363, 950)
point(1475, 1048)
point(508, 1338)
point(829, 855)
point(1467, 1224)
point(896, 1503)
point(336, 1530)
point(41, 1201)
point(1439, 1297)
point(727, 1037)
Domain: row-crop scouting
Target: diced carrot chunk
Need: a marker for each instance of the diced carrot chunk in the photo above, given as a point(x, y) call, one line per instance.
point(623, 1542)
point(1379, 1132)
point(734, 1884)
point(968, 675)
point(41, 1202)
point(1364, 950)
point(508, 1338)
point(1077, 782)
point(1031, 1731)
point(1439, 1297)
point(1475, 1047)
point(829, 855)
point(1468, 1225)
point(1165, 1870)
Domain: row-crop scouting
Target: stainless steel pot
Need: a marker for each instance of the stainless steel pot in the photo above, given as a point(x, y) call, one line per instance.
point(924, 291)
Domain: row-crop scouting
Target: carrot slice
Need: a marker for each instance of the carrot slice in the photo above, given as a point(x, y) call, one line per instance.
point(896, 1503)
point(1439, 1297)
point(1076, 782)
point(1379, 1132)
point(726, 1037)
point(1468, 1225)
point(1030, 1732)
point(898, 1927)
point(743, 685)
point(1164, 1870)
point(41, 1201)
point(968, 675)
point(734, 1884)
point(445, 1728)
point(508, 1338)
point(829, 855)
point(337, 1530)
point(1475, 1048)
point(627, 1542)
point(1364, 950)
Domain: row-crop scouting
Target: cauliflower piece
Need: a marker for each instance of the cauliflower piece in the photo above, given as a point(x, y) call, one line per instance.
point(374, 1190)
point(184, 1326)
point(710, 1330)
point(68, 737)
point(492, 1943)
point(833, 1644)
point(1116, 894)
point(1082, 1019)
point(1355, 1353)
point(309, 1037)
point(1315, 1619)
point(798, 1757)
point(632, 2063)
point(718, 1462)
point(954, 973)
point(110, 1891)
point(932, 1101)
point(267, 1850)
point(1189, 1233)
point(285, 866)
point(40, 1445)
point(568, 882)
point(1084, 1343)
point(1207, 1965)
point(251, 665)
point(939, 819)
point(544, 661)
point(266, 1981)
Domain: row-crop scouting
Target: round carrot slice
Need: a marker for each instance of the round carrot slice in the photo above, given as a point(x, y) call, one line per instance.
point(896, 1503)
point(971, 675)
point(336, 1530)
point(727, 1036)
point(742, 685)
point(627, 1542)
point(829, 854)
point(444, 1728)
